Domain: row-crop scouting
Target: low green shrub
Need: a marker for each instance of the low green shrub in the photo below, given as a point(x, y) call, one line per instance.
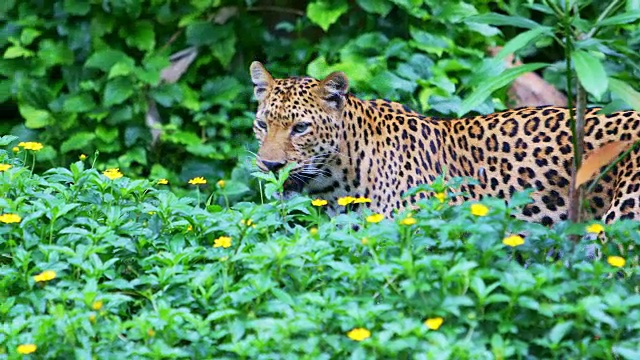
point(104, 266)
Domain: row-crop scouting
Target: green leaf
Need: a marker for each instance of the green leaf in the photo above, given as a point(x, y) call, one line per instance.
point(628, 353)
point(17, 51)
point(623, 18)
point(117, 91)
point(591, 73)
point(455, 12)
point(200, 33)
point(77, 7)
point(224, 47)
point(222, 91)
point(34, 118)
point(142, 36)
point(79, 103)
point(523, 40)
point(107, 134)
point(325, 12)
point(428, 42)
point(5, 90)
point(28, 35)
point(7, 139)
point(503, 20)
point(105, 59)
point(381, 7)
point(483, 91)
point(55, 53)
point(120, 69)
point(77, 141)
point(559, 331)
point(625, 92)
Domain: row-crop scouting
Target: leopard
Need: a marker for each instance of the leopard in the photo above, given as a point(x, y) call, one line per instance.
point(340, 145)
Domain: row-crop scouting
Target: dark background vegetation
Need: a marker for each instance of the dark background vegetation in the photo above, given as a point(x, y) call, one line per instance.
point(78, 74)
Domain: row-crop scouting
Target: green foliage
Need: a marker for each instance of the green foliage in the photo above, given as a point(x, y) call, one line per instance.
point(138, 275)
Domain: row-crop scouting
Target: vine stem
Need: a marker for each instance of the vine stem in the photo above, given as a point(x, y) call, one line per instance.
point(574, 194)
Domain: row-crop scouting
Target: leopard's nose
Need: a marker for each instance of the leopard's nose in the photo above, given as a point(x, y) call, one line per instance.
point(273, 165)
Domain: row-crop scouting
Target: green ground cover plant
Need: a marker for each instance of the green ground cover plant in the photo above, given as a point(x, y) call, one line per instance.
point(149, 249)
point(94, 264)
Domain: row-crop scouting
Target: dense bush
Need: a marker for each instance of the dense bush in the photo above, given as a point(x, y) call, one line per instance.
point(81, 74)
point(93, 267)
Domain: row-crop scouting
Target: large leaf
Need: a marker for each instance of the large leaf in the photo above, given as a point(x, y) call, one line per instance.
point(117, 91)
point(79, 103)
point(485, 89)
point(381, 7)
point(200, 33)
point(77, 141)
point(559, 331)
point(591, 73)
point(105, 59)
point(523, 40)
point(34, 118)
point(143, 37)
point(623, 18)
point(625, 92)
point(598, 158)
point(502, 20)
point(325, 12)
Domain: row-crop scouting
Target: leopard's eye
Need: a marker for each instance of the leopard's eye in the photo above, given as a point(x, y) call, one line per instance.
point(261, 124)
point(299, 128)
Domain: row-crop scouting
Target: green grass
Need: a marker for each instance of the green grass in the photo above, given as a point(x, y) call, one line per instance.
point(137, 276)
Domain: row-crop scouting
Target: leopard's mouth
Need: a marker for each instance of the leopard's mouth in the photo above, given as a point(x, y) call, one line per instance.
point(293, 183)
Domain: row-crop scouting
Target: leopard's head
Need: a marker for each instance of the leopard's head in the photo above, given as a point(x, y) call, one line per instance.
point(298, 121)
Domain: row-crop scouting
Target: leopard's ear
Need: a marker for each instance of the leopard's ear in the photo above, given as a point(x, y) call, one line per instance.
point(261, 80)
point(333, 89)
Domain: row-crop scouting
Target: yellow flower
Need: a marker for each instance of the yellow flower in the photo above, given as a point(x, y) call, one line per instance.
point(45, 276)
point(152, 212)
point(222, 241)
point(434, 323)
point(10, 218)
point(31, 145)
point(97, 305)
point(595, 228)
point(408, 221)
point(26, 349)
point(151, 332)
point(364, 241)
point(163, 181)
point(513, 240)
point(616, 261)
point(247, 222)
point(344, 201)
point(479, 210)
point(92, 318)
point(82, 157)
point(198, 181)
point(359, 334)
point(5, 167)
point(220, 184)
point(375, 218)
point(313, 231)
point(441, 196)
point(189, 228)
point(113, 173)
point(16, 149)
point(361, 200)
point(319, 202)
